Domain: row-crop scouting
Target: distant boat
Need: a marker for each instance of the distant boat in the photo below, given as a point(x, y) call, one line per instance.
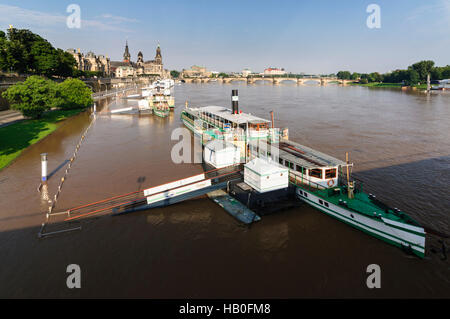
point(161, 101)
point(442, 86)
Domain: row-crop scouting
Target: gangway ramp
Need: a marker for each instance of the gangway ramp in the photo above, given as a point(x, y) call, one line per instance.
point(158, 196)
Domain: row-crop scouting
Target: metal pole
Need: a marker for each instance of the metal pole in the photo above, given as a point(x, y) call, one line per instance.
point(44, 168)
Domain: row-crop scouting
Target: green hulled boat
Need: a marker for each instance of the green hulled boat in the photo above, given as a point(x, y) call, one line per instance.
point(161, 110)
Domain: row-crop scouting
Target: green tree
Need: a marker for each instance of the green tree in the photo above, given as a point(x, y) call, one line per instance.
point(32, 97)
point(412, 77)
point(66, 64)
point(74, 94)
point(3, 54)
point(25, 52)
point(363, 81)
point(344, 75)
point(375, 77)
point(45, 58)
point(175, 74)
point(423, 68)
point(355, 76)
point(440, 73)
point(20, 42)
point(222, 75)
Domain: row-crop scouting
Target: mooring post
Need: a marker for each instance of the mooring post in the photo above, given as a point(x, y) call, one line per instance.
point(44, 168)
point(95, 107)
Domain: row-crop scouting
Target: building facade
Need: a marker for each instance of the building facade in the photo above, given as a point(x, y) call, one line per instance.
point(246, 72)
point(195, 72)
point(126, 67)
point(91, 62)
point(274, 71)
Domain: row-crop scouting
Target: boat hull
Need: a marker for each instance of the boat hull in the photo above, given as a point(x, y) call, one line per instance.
point(161, 113)
point(408, 237)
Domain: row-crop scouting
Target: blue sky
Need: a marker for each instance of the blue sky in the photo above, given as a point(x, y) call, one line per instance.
point(229, 35)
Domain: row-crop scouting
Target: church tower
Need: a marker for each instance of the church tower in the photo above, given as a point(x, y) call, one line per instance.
point(126, 54)
point(158, 57)
point(140, 59)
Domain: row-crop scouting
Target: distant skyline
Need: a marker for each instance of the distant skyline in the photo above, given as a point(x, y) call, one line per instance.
point(299, 36)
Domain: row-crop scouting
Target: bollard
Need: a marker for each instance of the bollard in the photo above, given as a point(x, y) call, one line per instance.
point(95, 107)
point(44, 168)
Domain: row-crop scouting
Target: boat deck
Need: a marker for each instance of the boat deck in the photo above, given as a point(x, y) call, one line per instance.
point(361, 203)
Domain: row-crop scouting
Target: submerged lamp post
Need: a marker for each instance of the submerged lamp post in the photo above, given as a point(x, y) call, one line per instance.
point(44, 168)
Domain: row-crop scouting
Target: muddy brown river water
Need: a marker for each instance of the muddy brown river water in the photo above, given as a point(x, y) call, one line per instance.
point(399, 142)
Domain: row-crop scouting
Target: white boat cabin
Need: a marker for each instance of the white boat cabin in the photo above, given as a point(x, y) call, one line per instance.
point(264, 175)
point(219, 154)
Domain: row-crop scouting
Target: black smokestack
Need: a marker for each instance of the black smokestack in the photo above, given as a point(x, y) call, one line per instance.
point(235, 101)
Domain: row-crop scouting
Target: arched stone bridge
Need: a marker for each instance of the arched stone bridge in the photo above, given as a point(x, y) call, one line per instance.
point(253, 80)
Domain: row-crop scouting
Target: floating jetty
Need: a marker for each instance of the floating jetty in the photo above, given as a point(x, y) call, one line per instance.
point(234, 207)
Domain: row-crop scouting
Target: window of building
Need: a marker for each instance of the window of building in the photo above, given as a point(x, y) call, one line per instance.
point(280, 160)
point(330, 173)
point(315, 172)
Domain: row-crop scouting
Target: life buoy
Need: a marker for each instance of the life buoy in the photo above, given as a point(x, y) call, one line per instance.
point(330, 183)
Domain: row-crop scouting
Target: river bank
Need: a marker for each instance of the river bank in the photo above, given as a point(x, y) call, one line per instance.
point(389, 85)
point(15, 138)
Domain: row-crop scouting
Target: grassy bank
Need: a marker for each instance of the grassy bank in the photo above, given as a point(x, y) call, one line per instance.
point(16, 137)
point(380, 85)
point(389, 85)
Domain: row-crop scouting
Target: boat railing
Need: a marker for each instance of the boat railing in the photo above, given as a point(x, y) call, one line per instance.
point(305, 183)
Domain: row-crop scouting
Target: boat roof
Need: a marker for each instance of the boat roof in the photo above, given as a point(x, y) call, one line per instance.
point(220, 145)
point(226, 114)
point(302, 155)
point(266, 167)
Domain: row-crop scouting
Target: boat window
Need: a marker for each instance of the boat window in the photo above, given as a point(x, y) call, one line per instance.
point(299, 169)
point(320, 202)
point(280, 160)
point(315, 172)
point(330, 173)
point(288, 164)
point(326, 204)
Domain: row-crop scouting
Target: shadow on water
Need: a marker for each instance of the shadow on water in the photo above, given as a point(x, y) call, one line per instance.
point(58, 168)
point(419, 188)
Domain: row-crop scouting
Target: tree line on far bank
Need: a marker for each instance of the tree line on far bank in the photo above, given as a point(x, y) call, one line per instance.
point(413, 75)
point(36, 95)
point(25, 52)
